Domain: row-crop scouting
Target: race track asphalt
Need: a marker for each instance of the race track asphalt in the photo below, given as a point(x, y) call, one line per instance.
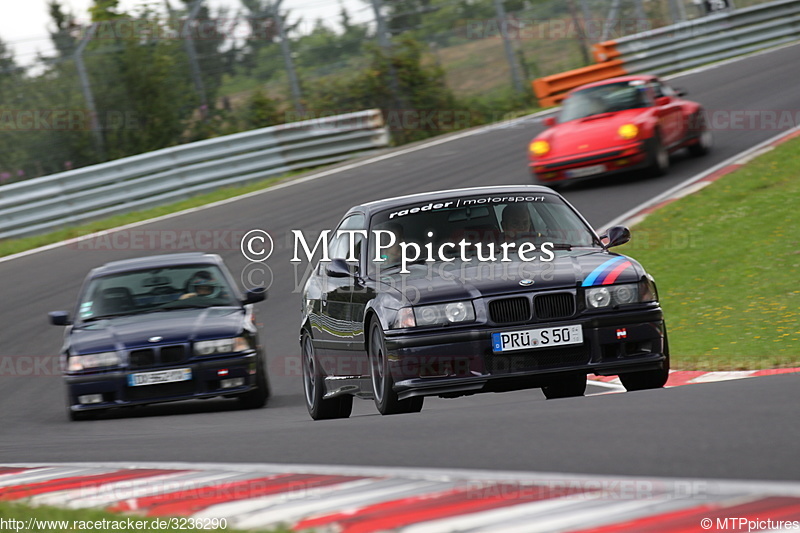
point(743, 429)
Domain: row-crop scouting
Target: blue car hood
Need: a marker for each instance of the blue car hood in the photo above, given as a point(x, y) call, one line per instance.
point(174, 326)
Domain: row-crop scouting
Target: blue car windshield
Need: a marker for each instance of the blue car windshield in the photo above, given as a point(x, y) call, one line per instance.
point(141, 291)
point(608, 98)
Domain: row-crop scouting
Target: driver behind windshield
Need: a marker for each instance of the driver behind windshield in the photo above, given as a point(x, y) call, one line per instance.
point(202, 285)
point(517, 224)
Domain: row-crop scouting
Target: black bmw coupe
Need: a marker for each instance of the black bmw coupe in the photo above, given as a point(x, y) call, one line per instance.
point(487, 289)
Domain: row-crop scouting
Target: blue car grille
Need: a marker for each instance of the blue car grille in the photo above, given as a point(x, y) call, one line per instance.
point(150, 357)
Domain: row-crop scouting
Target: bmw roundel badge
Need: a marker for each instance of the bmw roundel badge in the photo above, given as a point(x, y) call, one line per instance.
point(526, 282)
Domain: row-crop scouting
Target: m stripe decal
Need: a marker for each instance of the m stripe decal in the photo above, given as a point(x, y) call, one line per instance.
point(606, 267)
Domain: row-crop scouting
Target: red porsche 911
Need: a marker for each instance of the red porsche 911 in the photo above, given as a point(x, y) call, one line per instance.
point(617, 125)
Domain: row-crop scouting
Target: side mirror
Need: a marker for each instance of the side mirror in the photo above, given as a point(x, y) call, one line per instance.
point(617, 236)
point(252, 296)
point(59, 318)
point(550, 122)
point(339, 268)
point(663, 100)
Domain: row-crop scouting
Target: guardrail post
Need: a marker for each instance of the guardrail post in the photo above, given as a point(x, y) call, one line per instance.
point(287, 59)
point(192, 53)
point(86, 88)
point(512, 62)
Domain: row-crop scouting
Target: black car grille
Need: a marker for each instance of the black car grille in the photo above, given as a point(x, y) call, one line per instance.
point(554, 306)
point(510, 310)
point(149, 357)
point(540, 359)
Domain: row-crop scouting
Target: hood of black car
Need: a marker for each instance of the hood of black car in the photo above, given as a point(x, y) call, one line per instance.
point(173, 326)
point(441, 282)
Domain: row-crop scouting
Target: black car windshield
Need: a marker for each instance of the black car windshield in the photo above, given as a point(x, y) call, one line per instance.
point(607, 98)
point(143, 291)
point(485, 222)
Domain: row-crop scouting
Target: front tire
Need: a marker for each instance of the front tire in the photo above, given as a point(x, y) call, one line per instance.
point(314, 386)
point(650, 379)
point(382, 383)
point(659, 157)
point(567, 387)
point(704, 142)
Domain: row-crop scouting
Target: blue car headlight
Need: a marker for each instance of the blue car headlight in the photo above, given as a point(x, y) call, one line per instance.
point(231, 345)
point(76, 363)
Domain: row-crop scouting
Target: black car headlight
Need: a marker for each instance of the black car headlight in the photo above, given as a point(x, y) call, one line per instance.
point(76, 363)
point(435, 315)
point(622, 294)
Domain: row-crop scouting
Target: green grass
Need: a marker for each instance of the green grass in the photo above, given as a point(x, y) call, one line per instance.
point(727, 263)
point(73, 519)
point(13, 246)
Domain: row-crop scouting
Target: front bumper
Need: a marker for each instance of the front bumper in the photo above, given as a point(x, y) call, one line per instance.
point(462, 362)
point(207, 376)
point(605, 163)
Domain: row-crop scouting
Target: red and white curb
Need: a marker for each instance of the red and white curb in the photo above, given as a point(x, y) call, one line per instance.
point(689, 377)
point(362, 499)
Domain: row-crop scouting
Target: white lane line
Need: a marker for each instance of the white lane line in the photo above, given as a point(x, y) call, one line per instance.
point(623, 218)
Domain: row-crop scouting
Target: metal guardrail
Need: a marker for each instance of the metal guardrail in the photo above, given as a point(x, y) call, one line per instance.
point(682, 46)
point(705, 40)
point(173, 174)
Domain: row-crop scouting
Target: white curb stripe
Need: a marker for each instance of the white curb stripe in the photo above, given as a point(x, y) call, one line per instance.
point(241, 508)
point(379, 492)
point(711, 377)
point(50, 474)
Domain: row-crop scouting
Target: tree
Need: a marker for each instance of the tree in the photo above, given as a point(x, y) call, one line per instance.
point(421, 84)
point(63, 36)
point(105, 10)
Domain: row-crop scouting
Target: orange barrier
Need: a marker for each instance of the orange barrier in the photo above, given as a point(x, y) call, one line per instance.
point(605, 51)
point(550, 90)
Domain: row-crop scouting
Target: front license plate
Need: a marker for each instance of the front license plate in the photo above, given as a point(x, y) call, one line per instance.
point(509, 341)
point(162, 376)
point(585, 171)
